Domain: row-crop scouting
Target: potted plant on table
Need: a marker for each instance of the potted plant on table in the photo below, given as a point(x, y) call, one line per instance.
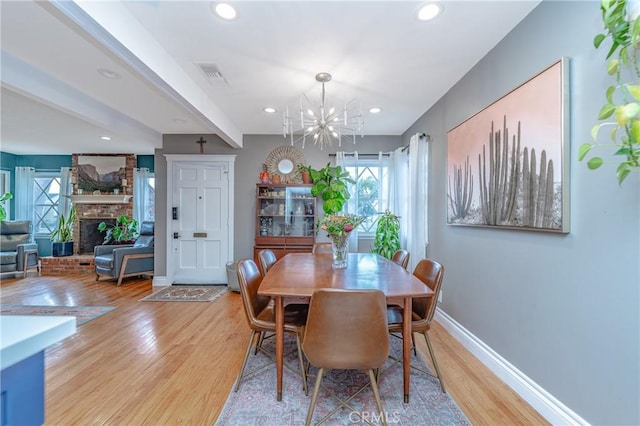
point(123, 231)
point(338, 229)
point(62, 236)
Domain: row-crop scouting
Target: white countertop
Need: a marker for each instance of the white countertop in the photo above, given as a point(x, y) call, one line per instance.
point(23, 336)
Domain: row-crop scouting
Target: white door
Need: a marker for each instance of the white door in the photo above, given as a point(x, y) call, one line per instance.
point(200, 227)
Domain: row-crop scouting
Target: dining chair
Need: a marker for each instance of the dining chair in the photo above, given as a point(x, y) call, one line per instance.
point(430, 273)
point(401, 257)
point(266, 258)
point(322, 248)
point(346, 329)
point(260, 315)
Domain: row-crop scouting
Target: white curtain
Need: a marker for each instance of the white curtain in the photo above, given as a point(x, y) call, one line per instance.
point(24, 193)
point(140, 193)
point(66, 189)
point(352, 205)
point(395, 195)
point(417, 219)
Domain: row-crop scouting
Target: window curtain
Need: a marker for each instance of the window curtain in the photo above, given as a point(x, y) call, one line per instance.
point(66, 189)
point(352, 204)
point(140, 193)
point(417, 219)
point(24, 193)
point(395, 196)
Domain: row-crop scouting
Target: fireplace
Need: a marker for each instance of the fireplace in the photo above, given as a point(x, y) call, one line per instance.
point(89, 234)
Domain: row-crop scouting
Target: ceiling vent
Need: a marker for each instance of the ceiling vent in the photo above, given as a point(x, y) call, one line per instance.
point(213, 74)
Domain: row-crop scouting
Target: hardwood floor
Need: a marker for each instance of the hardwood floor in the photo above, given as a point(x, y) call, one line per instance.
point(164, 363)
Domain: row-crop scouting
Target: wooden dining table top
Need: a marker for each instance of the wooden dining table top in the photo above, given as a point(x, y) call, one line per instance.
point(300, 274)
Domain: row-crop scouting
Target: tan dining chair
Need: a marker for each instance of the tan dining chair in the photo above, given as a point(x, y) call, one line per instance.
point(346, 330)
point(266, 258)
point(401, 257)
point(261, 316)
point(322, 248)
point(430, 273)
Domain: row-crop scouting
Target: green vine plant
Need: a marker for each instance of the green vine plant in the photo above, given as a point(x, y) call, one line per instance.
point(3, 211)
point(387, 239)
point(622, 109)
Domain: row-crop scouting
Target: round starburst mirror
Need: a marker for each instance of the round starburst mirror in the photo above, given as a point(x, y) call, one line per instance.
point(284, 161)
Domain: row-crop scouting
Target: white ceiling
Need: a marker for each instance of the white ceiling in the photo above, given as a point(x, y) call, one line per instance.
point(54, 101)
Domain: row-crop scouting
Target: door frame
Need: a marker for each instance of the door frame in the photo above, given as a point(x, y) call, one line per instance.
point(172, 160)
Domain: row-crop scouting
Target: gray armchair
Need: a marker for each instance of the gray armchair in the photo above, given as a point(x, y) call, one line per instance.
point(18, 251)
point(120, 261)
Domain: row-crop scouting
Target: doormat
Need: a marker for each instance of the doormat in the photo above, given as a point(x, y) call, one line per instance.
point(183, 293)
point(83, 314)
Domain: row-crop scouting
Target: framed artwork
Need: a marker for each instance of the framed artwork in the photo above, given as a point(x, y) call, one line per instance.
point(508, 165)
point(102, 173)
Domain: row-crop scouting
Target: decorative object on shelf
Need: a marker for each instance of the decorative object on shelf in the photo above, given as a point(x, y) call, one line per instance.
point(125, 230)
point(387, 239)
point(305, 173)
point(621, 19)
point(321, 123)
point(330, 183)
point(284, 161)
point(62, 235)
point(264, 175)
point(338, 229)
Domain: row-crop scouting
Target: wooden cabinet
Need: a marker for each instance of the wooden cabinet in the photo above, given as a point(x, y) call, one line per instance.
point(285, 219)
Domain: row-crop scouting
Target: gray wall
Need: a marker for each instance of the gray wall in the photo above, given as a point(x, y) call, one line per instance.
point(248, 165)
point(564, 309)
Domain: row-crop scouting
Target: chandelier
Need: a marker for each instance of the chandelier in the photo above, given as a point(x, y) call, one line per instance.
point(323, 124)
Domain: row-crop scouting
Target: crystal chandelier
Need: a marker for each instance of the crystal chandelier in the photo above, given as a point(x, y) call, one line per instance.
point(323, 124)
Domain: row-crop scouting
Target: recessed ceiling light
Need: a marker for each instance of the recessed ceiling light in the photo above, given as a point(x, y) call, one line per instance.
point(269, 110)
point(105, 138)
point(225, 11)
point(111, 75)
point(429, 11)
point(179, 120)
point(375, 110)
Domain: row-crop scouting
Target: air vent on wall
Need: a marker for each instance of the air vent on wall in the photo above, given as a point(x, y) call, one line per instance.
point(213, 74)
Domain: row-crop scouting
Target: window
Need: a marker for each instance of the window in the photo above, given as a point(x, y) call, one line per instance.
point(46, 198)
point(371, 176)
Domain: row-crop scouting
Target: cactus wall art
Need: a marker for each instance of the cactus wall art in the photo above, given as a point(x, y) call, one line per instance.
point(507, 164)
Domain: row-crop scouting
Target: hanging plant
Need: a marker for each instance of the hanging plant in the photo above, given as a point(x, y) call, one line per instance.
point(621, 112)
point(387, 239)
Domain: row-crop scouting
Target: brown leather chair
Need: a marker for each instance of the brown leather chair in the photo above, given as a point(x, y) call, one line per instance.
point(322, 248)
point(430, 273)
point(401, 257)
point(347, 329)
point(266, 258)
point(261, 316)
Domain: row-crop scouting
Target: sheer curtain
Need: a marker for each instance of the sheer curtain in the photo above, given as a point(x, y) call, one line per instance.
point(140, 193)
point(24, 193)
point(66, 189)
point(395, 194)
point(352, 204)
point(417, 219)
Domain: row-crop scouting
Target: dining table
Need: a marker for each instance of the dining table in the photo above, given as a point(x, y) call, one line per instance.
point(296, 276)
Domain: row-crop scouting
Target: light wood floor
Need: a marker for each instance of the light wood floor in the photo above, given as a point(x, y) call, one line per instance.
point(167, 363)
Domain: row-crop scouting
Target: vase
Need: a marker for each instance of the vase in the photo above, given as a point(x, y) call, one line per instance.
point(339, 247)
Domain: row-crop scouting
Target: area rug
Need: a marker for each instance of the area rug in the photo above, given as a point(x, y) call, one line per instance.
point(83, 314)
point(183, 293)
point(255, 402)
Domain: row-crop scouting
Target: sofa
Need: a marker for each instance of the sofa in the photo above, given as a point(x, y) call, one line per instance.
point(18, 251)
point(118, 261)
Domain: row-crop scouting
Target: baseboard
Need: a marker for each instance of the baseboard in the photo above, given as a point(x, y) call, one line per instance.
point(160, 281)
point(542, 401)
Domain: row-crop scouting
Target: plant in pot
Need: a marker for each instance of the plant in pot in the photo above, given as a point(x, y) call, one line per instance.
point(387, 238)
point(62, 236)
point(621, 112)
point(305, 173)
point(3, 211)
point(123, 231)
point(330, 183)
